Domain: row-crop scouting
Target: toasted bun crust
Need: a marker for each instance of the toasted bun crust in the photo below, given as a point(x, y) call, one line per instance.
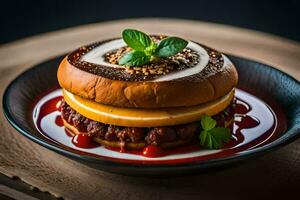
point(186, 91)
point(145, 94)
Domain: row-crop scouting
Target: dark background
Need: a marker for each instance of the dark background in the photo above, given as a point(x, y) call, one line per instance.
point(25, 18)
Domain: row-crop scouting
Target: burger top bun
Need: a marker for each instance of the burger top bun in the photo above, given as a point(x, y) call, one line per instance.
point(86, 73)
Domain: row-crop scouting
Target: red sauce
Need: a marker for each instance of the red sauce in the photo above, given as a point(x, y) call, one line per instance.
point(83, 141)
point(183, 149)
point(153, 151)
point(247, 122)
point(59, 121)
point(68, 133)
point(241, 107)
point(48, 107)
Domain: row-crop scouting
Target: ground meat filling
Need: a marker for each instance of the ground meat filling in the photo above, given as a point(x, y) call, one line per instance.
point(153, 135)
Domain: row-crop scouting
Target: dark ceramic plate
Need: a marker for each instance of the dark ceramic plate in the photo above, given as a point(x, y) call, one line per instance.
point(26, 90)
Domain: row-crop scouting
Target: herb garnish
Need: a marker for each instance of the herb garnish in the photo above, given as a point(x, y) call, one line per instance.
point(146, 50)
point(212, 137)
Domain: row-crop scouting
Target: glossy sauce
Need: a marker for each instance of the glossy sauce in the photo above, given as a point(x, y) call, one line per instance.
point(244, 134)
point(59, 121)
point(83, 141)
point(47, 108)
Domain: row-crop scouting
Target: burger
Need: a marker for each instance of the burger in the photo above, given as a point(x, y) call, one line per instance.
point(141, 90)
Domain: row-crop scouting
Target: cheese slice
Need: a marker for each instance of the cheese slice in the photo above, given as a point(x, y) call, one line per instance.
point(136, 117)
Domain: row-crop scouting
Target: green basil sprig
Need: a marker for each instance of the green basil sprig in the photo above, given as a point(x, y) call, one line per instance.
point(145, 49)
point(212, 137)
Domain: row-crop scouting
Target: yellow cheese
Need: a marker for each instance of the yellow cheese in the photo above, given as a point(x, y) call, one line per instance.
point(145, 117)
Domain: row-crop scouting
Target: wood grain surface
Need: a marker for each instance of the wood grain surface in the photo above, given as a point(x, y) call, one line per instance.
point(274, 175)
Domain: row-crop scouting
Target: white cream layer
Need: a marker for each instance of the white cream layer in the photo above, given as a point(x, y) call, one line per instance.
point(96, 56)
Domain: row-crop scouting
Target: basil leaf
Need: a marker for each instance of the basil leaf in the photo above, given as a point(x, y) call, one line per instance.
point(203, 136)
point(150, 49)
point(134, 58)
point(214, 138)
point(137, 40)
point(170, 46)
point(207, 122)
point(221, 134)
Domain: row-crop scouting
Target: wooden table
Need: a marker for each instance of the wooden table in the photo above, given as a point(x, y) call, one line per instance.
point(275, 175)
